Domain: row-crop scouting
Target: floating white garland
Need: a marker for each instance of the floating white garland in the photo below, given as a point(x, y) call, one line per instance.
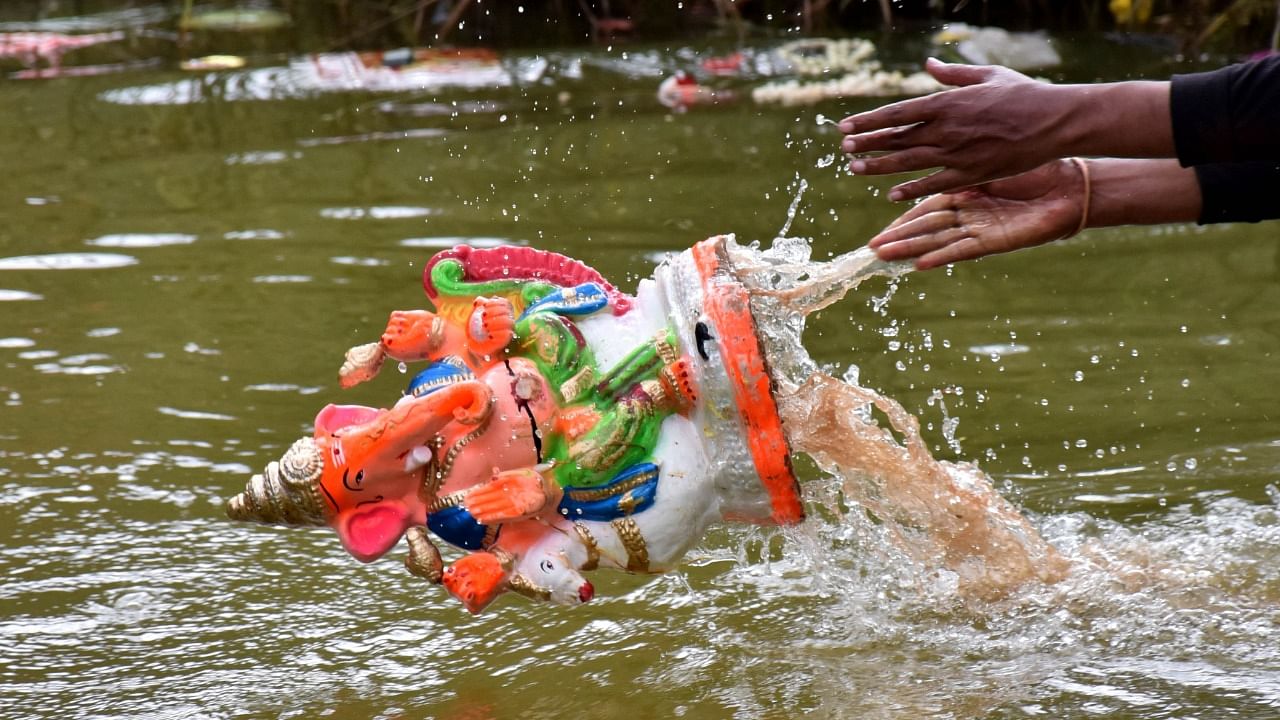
point(821, 56)
point(869, 81)
point(852, 59)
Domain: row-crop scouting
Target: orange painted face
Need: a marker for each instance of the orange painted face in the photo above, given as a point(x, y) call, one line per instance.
point(371, 509)
point(374, 460)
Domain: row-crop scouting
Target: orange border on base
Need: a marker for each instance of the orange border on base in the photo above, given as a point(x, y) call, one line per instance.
point(727, 305)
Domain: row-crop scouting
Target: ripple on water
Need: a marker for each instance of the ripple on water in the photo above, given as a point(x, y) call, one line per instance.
point(266, 157)
point(62, 368)
point(411, 134)
point(18, 295)
point(377, 212)
point(84, 364)
point(283, 387)
point(141, 240)
point(193, 414)
point(282, 279)
point(359, 261)
point(999, 349)
point(446, 242)
point(254, 234)
point(16, 342)
point(67, 261)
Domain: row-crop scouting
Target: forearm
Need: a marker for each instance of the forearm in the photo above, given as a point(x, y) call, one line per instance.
point(1239, 192)
point(1125, 119)
point(1228, 115)
point(1141, 192)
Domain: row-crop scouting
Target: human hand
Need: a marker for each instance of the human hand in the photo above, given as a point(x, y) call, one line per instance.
point(1033, 208)
point(995, 123)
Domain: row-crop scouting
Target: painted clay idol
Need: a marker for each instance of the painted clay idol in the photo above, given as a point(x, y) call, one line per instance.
point(559, 426)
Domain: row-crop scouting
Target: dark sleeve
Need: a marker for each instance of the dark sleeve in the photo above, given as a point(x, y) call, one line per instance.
point(1227, 115)
point(1239, 192)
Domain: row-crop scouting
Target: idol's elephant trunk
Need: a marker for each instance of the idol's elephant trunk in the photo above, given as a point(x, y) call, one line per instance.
point(310, 484)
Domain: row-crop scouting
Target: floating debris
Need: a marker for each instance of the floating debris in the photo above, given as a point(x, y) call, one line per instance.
point(402, 70)
point(868, 82)
point(861, 75)
point(31, 47)
point(996, 46)
point(242, 20)
point(682, 91)
point(822, 56)
point(214, 62)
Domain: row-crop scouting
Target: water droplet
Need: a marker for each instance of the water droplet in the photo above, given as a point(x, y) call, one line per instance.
point(402, 367)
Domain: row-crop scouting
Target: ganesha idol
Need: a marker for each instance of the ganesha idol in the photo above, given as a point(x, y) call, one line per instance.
point(559, 426)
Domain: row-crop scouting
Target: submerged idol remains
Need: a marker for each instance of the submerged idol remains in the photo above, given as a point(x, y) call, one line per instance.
point(560, 425)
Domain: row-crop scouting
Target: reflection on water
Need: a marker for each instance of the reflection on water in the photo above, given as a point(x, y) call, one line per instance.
point(17, 295)
point(1117, 387)
point(67, 261)
point(141, 240)
point(444, 243)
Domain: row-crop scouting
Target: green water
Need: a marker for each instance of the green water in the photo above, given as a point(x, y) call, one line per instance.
point(1121, 387)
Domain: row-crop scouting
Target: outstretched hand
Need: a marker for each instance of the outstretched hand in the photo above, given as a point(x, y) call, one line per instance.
point(995, 123)
point(1033, 208)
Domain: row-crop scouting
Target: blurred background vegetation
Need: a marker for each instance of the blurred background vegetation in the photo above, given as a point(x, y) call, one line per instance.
point(1192, 26)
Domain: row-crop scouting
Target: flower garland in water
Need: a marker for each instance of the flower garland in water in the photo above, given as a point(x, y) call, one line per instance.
point(820, 56)
point(862, 74)
point(867, 82)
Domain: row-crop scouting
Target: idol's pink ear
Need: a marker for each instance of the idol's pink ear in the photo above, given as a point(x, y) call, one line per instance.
point(335, 417)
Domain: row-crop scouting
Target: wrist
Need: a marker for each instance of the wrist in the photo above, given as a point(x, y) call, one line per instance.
point(1142, 192)
point(1076, 121)
point(1126, 119)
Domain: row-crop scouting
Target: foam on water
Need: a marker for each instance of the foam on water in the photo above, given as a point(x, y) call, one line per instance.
point(926, 575)
point(942, 515)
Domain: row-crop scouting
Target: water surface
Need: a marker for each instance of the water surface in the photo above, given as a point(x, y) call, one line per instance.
point(179, 281)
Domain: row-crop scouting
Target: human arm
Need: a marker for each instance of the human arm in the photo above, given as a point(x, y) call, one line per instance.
point(997, 123)
point(1239, 192)
point(1040, 206)
point(1229, 115)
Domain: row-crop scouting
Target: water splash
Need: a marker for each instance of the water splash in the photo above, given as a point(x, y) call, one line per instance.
point(941, 515)
point(801, 186)
point(799, 286)
point(909, 536)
